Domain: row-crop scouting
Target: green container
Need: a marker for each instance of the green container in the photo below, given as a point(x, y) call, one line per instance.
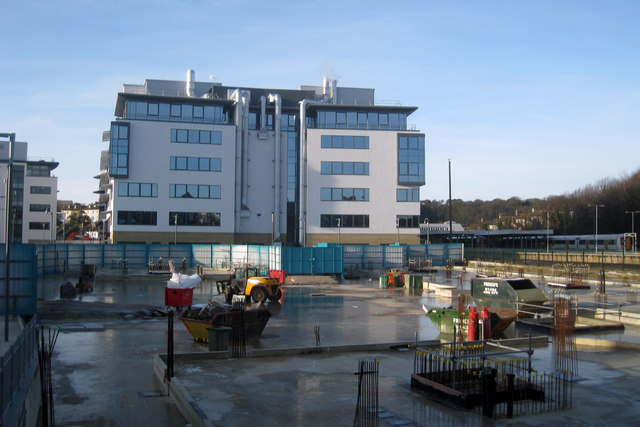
point(413, 280)
point(219, 337)
point(384, 281)
point(398, 280)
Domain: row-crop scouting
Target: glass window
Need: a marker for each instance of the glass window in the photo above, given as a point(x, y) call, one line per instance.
point(325, 168)
point(152, 109)
point(341, 119)
point(347, 168)
point(362, 120)
point(198, 112)
point(347, 141)
point(216, 165)
point(176, 110)
point(216, 137)
point(123, 189)
point(181, 163)
point(358, 168)
point(352, 120)
point(183, 135)
point(337, 168)
point(163, 113)
point(134, 189)
point(205, 137)
point(194, 136)
point(187, 113)
point(325, 194)
point(192, 164)
point(325, 141)
point(214, 191)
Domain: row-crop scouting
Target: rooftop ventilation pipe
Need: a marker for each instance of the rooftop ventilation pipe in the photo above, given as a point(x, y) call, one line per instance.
point(325, 89)
point(275, 98)
point(334, 91)
point(246, 96)
point(238, 182)
point(302, 227)
point(191, 83)
point(263, 112)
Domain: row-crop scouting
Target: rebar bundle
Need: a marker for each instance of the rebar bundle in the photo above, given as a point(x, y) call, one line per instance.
point(474, 376)
point(367, 405)
point(45, 351)
point(237, 339)
point(564, 339)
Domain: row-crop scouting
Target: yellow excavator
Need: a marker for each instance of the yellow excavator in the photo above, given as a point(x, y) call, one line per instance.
point(247, 281)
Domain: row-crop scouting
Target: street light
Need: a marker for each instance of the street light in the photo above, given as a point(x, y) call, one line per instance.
point(426, 222)
point(635, 240)
point(175, 233)
point(597, 206)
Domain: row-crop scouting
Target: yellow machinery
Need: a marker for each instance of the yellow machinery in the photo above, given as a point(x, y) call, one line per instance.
point(247, 282)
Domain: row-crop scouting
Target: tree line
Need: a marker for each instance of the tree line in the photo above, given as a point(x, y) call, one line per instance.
point(572, 213)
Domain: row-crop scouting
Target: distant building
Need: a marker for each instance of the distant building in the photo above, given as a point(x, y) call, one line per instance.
point(200, 162)
point(33, 196)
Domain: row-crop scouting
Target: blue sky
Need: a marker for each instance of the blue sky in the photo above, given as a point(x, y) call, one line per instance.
point(526, 98)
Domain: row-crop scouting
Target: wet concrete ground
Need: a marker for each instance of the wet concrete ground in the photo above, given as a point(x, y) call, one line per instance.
point(102, 373)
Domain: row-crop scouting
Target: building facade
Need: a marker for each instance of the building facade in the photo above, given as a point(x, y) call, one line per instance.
point(34, 191)
point(201, 162)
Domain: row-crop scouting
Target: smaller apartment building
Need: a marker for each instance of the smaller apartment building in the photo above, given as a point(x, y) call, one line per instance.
point(200, 162)
point(34, 193)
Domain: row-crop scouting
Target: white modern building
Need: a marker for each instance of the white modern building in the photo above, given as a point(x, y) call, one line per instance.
point(201, 162)
point(34, 191)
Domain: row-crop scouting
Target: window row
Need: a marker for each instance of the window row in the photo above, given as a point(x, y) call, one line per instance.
point(137, 189)
point(40, 189)
point(344, 221)
point(194, 191)
point(195, 136)
point(407, 195)
point(361, 120)
point(207, 219)
point(411, 160)
point(346, 141)
point(186, 113)
point(39, 226)
point(344, 168)
point(183, 163)
point(37, 207)
point(407, 221)
point(344, 194)
point(204, 219)
point(38, 170)
point(119, 150)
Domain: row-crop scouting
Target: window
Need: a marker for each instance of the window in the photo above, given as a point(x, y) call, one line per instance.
point(194, 191)
point(344, 194)
point(208, 164)
point(119, 150)
point(39, 226)
point(407, 221)
point(346, 141)
point(195, 136)
point(137, 189)
point(40, 189)
point(344, 168)
point(372, 120)
point(35, 207)
point(411, 159)
point(187, 113)
point(38, 170)
point(407, 195)
point(204, 219)
point(344, 221)
point(137, 218)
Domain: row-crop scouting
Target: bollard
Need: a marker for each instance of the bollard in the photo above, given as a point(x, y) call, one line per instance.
point(510, 378)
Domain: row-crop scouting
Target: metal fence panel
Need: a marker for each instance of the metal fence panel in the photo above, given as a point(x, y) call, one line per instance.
point(23, 298)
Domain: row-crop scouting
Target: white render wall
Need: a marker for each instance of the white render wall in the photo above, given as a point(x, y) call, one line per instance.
point(382, 207)
point(45, 199)
point(150, 149)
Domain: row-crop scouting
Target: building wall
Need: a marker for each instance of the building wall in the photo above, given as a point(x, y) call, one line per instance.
point(382, 206)
point(49, 218)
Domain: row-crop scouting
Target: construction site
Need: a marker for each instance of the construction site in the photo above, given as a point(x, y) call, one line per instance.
point(347, 352)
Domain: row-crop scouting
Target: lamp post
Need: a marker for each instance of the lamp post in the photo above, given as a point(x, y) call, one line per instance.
point(547, 231)
point(175, 233)
point(596, 243)
point(426, 222)
point(633, 231)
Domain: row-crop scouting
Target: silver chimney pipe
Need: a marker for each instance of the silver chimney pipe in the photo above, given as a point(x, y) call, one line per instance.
point(303, 170)
point(325, 89)
point(246, 96)
point(275, 98)
point(238, 184)
point(191, 83)
point(263, 112)
point(334, 91)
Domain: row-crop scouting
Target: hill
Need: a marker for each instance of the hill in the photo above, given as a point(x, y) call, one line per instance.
point(572, 213)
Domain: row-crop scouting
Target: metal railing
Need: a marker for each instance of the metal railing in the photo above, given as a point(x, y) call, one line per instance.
point(15, 363)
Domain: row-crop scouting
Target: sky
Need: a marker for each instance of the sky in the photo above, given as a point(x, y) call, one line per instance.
point(524, 98)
